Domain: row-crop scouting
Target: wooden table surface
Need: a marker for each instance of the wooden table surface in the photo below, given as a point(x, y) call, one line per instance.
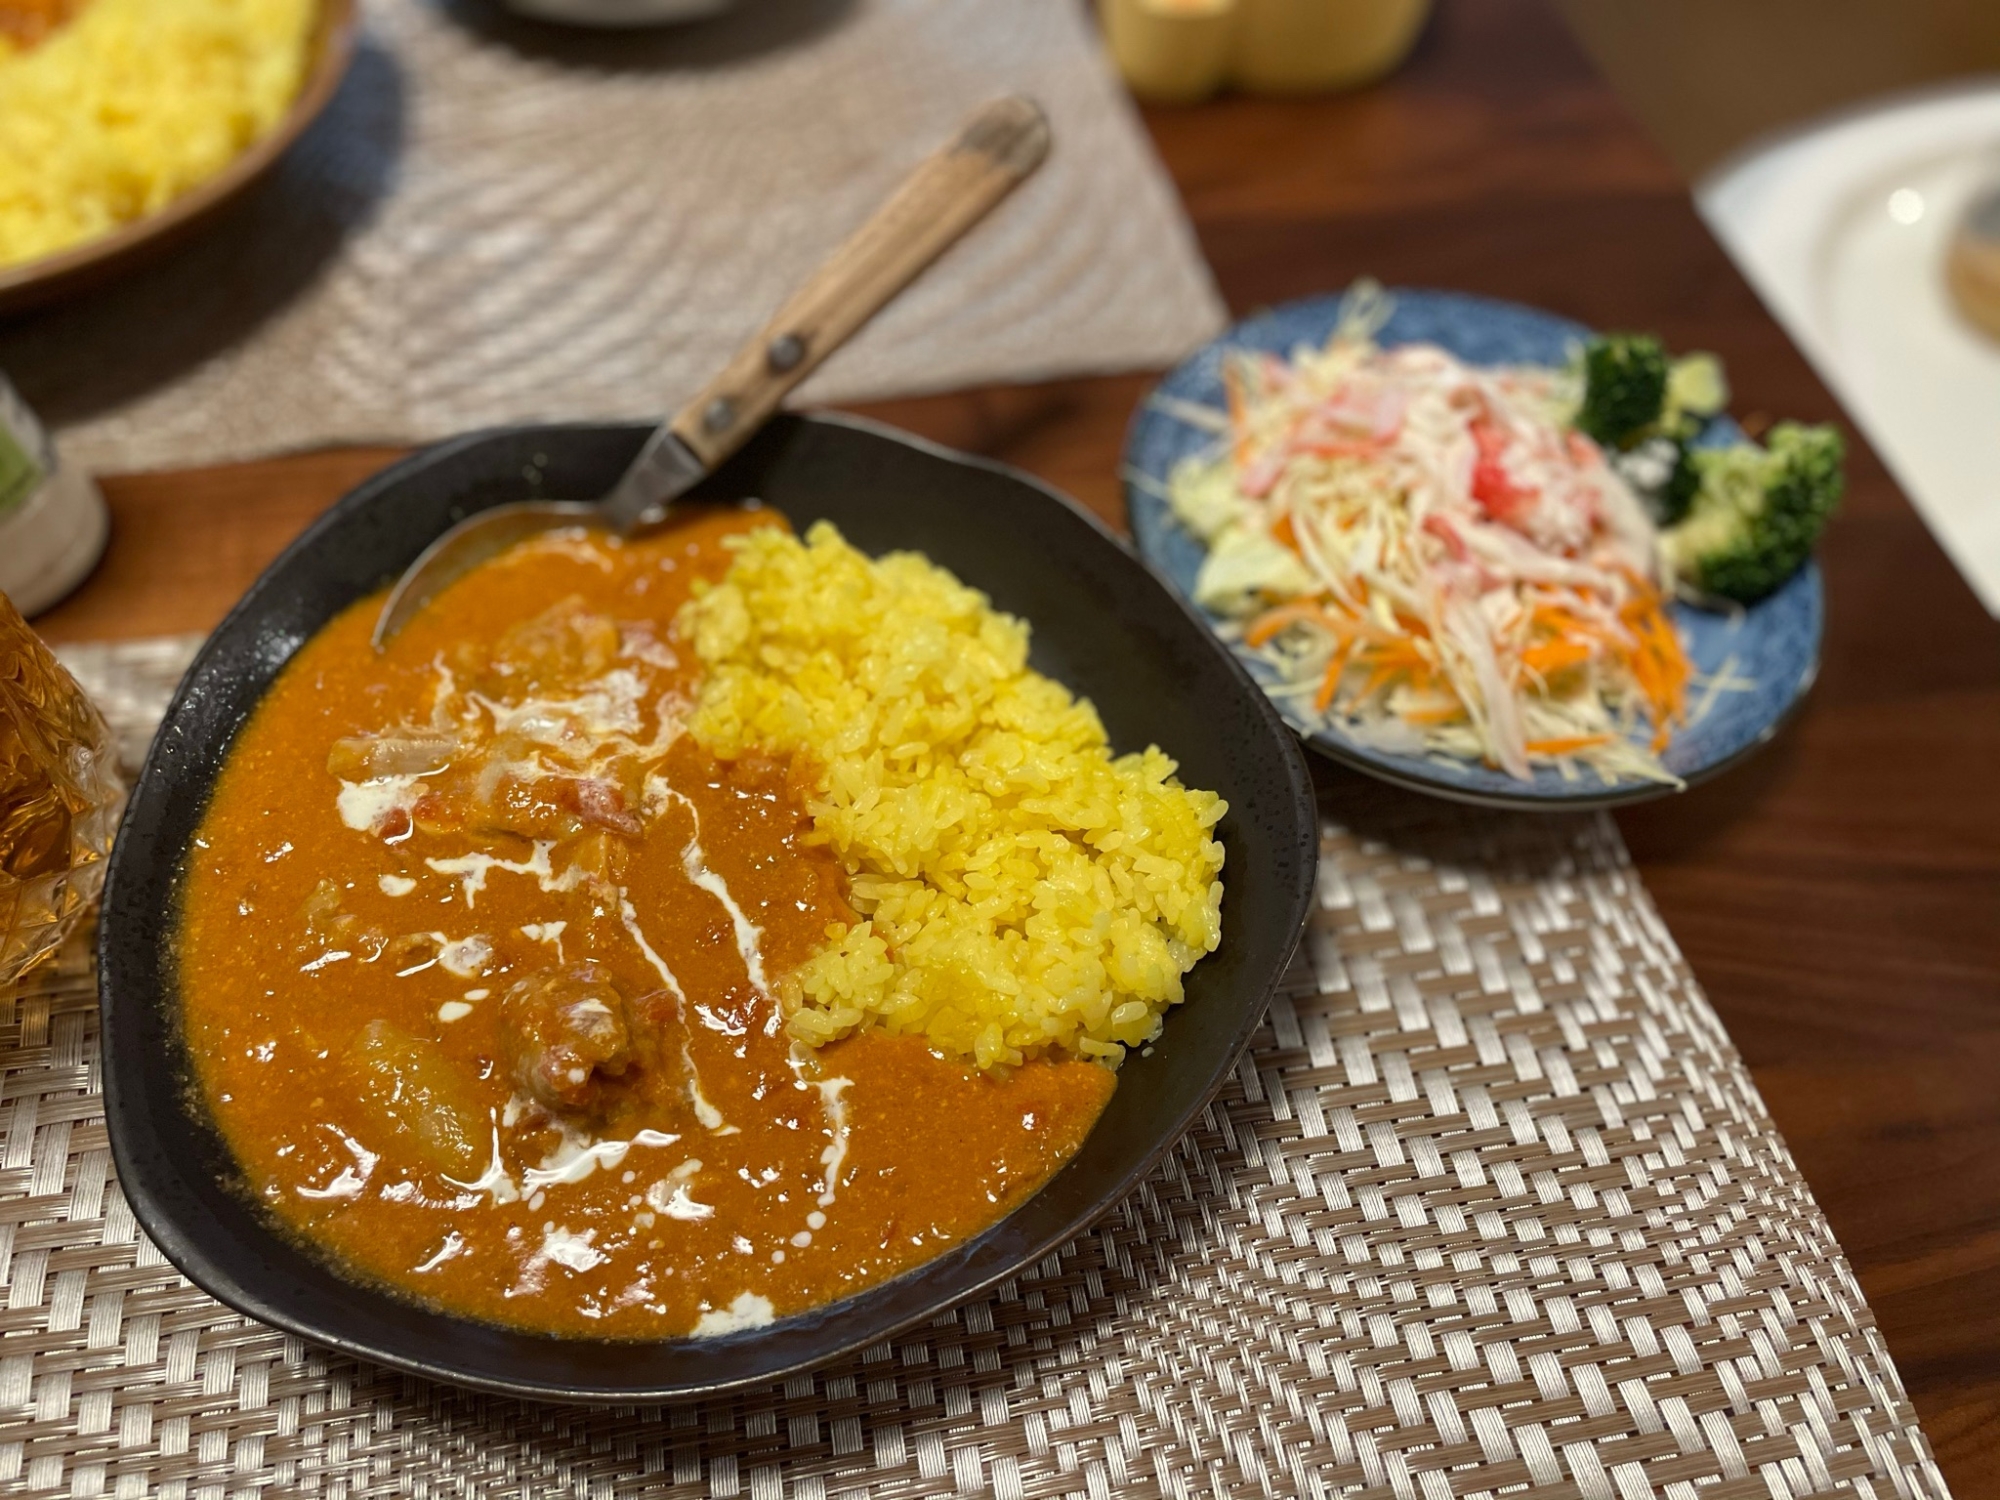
point(1839, 896)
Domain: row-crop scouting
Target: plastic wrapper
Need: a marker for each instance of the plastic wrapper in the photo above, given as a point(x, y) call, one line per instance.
point(60, 796)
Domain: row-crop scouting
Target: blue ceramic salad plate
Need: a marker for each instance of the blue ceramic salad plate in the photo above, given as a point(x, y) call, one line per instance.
point(1751, 664)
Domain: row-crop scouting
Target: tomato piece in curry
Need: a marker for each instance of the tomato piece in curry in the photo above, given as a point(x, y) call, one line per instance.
point(480, 958)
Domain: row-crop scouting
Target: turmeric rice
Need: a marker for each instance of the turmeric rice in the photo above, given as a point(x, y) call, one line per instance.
point(1021, 891)
point(131, 104)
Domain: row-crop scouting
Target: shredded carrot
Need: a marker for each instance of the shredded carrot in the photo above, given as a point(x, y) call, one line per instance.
point(1393, 650)
point(1304, 612)
point(1232, 388)
point(1380, 675)
point(1567, 745)
point(1389, 657)
point(1336, 448)
point(1442, 713)
point(1329, 685)
point(1546, 657)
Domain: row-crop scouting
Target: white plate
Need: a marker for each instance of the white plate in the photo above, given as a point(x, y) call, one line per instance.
point(1842, 229)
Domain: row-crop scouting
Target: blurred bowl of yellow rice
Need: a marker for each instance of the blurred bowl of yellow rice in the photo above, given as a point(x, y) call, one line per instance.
point(124, 124)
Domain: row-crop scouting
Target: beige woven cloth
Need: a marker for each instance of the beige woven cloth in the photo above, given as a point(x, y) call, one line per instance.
point(499, 222)
point(1490, 1203)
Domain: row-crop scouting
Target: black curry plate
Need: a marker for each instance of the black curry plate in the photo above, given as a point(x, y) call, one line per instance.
point(1102, 624)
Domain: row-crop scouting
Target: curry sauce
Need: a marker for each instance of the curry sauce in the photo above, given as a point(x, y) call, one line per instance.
point(27, 22)
point(482, 963)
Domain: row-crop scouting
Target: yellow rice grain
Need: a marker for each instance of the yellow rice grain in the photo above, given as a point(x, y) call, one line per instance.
point(133, 103)
point(1023, 891)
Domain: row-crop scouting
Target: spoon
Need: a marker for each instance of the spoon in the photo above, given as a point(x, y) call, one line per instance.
point(949, 192)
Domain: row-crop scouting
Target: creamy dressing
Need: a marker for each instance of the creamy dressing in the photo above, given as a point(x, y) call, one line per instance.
point(367, 806)
point(630, 915)
point(704, 1110)
point(578, 1252)
point(606, 708)
point(833, 1104)
point(577, 1155)
point(643, 647)
point(749, 1310)
point(832, 1094)
point(749, 936)
point(675, 1201)
point(472, 870)
point(496, 1181)
point(351, 1180)
point(451, 1249)
point(466, 957)
point(546, 932)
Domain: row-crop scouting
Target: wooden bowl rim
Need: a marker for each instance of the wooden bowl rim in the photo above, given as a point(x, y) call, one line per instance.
point(334, 29)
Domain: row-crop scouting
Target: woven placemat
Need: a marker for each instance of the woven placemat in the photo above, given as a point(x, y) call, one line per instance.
point(1491, 1204)
point(499, 221)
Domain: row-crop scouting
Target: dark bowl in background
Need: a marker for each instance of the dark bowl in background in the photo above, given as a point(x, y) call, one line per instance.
point(1102, 623)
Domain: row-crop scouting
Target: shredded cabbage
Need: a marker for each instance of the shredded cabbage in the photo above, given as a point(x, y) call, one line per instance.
point(1434, 559)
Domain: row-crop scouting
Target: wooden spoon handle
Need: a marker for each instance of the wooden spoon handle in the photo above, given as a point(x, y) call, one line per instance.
point(949, 192)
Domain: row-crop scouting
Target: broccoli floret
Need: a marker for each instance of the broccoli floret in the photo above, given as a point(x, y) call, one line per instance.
point(1696, 388)
point(1756, 512)
point(1660, 471)
point(1677, 494)
point(1624, 387)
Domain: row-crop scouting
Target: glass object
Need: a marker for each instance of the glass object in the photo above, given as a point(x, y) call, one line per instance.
point(59, 798)
point(1310, 46)
point(53, 524)
point(1170, 51)
point(1178, 51)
